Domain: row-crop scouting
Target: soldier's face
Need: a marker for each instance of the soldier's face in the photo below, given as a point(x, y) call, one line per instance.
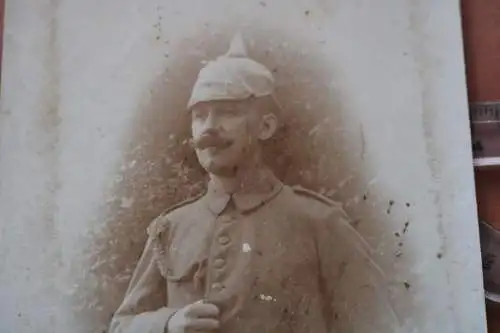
point(226, 134)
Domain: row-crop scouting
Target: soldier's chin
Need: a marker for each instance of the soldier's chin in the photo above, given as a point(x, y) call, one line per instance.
point(219, 169)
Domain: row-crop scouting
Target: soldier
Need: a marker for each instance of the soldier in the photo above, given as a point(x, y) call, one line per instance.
point(251, 254)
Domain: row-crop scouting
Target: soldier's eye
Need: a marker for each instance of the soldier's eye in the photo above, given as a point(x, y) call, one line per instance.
point(229, 111)
point(198, 114)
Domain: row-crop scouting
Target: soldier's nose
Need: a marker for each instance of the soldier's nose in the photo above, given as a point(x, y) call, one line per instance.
point(211, 121)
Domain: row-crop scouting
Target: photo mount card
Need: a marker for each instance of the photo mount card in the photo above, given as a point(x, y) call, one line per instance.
point(237, 167)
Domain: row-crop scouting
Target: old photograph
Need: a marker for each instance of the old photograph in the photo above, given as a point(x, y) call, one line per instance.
point(255, 166)
point(250, 253)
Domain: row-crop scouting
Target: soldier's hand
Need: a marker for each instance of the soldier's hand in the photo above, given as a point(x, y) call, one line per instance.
point(198, 316)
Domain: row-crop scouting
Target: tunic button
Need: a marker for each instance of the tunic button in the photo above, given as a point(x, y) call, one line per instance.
point(217, 286)
point(219, 263)
point(223, 240)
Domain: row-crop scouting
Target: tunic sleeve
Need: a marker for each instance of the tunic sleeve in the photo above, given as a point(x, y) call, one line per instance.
point(144, 309)
point(355, 288)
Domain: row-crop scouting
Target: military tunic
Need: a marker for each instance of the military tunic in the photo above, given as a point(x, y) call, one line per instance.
point(274, 258)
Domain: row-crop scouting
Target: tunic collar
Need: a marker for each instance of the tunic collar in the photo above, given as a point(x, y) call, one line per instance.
point(256, 189)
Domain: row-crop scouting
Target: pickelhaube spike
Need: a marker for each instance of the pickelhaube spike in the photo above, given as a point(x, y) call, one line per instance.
point(237, 47)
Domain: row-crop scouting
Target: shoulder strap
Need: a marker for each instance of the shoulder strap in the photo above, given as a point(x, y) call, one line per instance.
point(297, 189)
point(160, 224)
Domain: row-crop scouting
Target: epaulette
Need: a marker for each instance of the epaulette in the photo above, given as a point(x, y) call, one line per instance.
point(333, 207)
point(314, 195)
point(158, 227)
point(160, 223)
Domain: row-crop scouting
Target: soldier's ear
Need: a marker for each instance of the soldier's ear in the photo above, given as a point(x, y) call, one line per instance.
point(268, 126)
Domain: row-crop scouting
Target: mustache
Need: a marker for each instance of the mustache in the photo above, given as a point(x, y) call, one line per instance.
point(209, 140)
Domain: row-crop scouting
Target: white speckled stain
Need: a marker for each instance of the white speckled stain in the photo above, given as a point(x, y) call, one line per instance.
point(267, 298)
point(126, 202)
point(246, 247)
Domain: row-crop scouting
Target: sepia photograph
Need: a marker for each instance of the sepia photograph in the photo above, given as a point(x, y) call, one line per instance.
point(250, 253)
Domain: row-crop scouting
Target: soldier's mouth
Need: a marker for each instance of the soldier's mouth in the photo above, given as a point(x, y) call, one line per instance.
point(212, 142)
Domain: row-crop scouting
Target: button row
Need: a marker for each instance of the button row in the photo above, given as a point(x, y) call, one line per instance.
point(219, 263)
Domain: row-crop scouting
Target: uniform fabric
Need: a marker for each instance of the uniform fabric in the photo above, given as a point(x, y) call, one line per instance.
point(274, 259)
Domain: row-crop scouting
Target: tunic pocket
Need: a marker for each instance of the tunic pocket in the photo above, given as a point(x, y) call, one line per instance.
point(191, 273)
